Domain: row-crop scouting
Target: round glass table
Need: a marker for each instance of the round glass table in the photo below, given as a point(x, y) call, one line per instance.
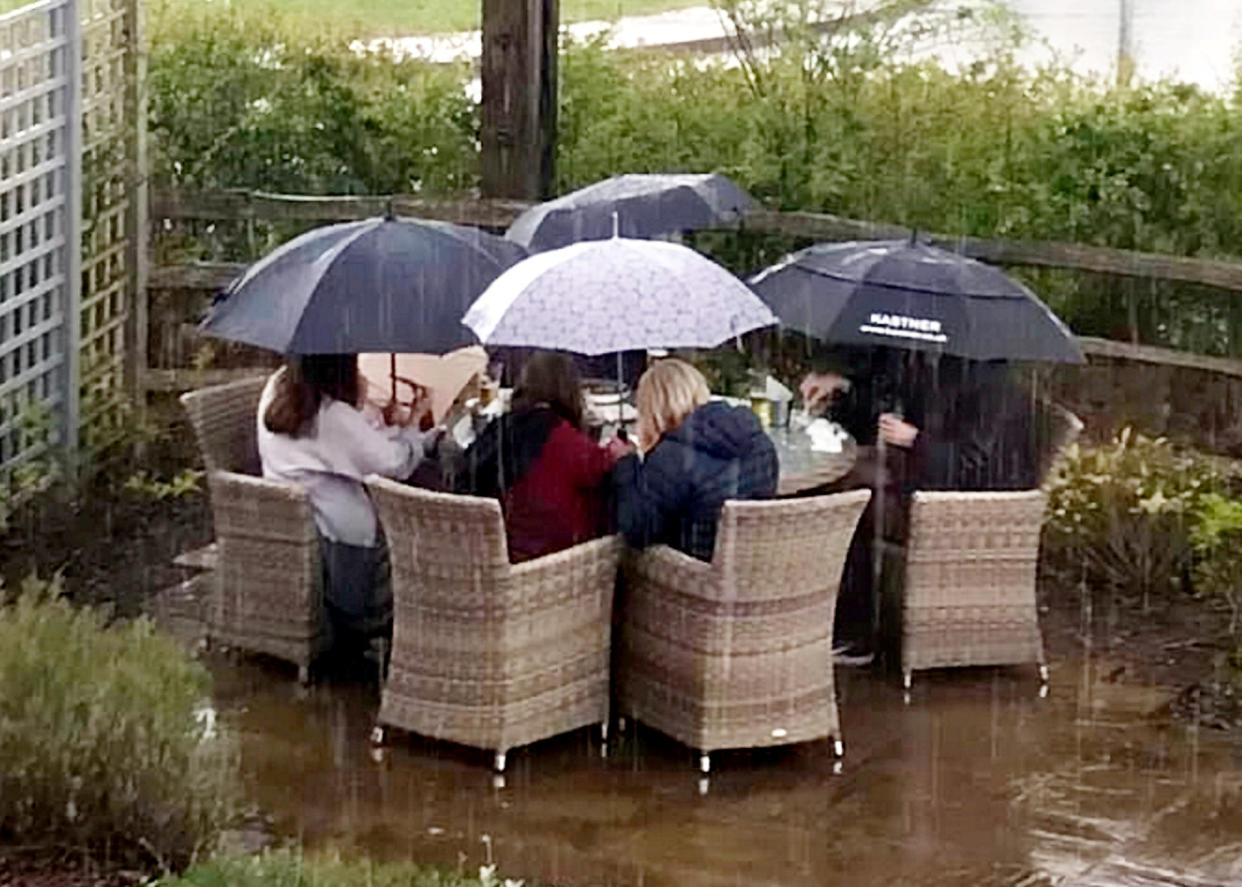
point(804, 468)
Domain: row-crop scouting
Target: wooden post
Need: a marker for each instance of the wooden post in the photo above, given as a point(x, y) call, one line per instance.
point(1125, 44)
point(137, 226)
point(519, 74)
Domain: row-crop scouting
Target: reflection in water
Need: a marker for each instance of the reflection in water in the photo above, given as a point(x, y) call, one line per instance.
point(978, 781)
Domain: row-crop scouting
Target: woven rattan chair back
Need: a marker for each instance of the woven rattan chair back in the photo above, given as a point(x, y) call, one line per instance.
point(765, 549)
point(969, 580)
point(738, 653)
point(267, 593)
point(485, 653)
point(223, 417)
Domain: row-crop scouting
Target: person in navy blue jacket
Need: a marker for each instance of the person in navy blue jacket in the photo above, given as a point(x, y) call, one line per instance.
point(697, 454)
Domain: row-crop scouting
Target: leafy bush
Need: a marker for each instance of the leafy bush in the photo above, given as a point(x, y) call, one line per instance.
point(1217, 540)
point(289, 869)
point(250, 100)
point(102, 749)
point(845, 122)
point(1124, 513)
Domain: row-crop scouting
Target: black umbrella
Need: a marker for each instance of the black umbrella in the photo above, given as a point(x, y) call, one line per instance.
point(397, 285)
point(635, 205)
point(911, 295)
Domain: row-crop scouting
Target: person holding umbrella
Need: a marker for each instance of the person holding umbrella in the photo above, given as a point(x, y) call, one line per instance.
point(312, 433)
point(938, 423)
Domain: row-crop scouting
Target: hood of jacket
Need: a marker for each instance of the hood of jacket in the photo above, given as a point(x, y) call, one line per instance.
point(718, 430)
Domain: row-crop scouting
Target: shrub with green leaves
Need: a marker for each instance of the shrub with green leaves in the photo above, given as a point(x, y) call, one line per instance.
point(104, 748)
point(1123, 513)
point(1217, 540)
point(284, 868)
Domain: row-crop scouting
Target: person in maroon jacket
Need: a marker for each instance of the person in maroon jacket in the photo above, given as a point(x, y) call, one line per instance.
point(550, 477)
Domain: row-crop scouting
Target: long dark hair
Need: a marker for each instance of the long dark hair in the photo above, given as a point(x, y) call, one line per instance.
point(550, 378)
point(306, 381)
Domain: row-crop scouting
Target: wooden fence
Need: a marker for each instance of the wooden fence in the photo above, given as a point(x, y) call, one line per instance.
point(235, 206)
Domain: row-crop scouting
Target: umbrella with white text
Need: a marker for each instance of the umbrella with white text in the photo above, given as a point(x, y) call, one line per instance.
point(905, 294)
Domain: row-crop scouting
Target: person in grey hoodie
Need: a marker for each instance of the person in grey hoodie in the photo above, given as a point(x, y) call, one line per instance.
point(697, 454)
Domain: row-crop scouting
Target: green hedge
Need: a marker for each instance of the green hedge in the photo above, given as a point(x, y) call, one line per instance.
point(238, 102)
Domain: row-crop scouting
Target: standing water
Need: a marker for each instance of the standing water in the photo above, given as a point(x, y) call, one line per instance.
point(978, 781)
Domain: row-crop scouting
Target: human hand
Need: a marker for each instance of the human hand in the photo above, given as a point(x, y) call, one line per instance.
point(897, 431)
point(619, 447)
point(818, 389)
point(415, 411)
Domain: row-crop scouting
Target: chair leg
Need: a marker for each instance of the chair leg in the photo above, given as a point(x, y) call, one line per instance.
point(705, 763)
point(378, 735)
point(907, 679)
point(622, 724)
point(1043, 673)
point(603, 731)
point(304, 675)
point(499, 762)
point(838, 748)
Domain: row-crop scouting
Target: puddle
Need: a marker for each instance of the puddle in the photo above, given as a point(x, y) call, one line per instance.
point(978, 781)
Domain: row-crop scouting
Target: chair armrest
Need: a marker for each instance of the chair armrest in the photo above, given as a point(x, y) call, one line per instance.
point(665, 566)
point(606, 551)
point(260, 509)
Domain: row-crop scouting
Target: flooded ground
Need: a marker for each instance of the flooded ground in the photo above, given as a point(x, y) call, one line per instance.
point(978, 781)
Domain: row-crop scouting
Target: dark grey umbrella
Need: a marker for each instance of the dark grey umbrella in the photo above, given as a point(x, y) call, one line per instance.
point(397, 285)
point(911, 295)
point(635, 205)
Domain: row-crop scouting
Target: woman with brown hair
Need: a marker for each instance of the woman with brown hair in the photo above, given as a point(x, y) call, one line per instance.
point(697, 454)
point(537, 460)
point(312, 433)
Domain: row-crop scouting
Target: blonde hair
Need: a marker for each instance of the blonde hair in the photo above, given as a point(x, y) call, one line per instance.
point(670, 390)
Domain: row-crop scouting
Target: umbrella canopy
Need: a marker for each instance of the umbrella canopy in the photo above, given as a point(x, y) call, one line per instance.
point(606, 296)
point(644, 205)
point(912, 295)
point(375, 285)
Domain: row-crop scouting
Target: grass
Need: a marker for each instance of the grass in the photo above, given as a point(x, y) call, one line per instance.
point(363, 18)
point(287, 868)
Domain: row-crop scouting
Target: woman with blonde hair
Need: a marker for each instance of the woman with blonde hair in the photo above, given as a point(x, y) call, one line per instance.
point(696, 453)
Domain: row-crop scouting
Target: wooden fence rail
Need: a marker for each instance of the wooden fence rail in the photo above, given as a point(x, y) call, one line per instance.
point(246, 205)
point(257, 206)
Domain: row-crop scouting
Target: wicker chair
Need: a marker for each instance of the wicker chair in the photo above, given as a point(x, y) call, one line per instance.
point(268, 592)
point(737, 653)
point(962, 590)
point(486, 653)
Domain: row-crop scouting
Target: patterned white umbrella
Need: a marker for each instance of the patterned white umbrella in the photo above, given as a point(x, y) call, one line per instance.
point(607, 296)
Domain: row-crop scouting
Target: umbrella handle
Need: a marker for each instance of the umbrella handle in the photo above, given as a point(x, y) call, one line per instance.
point(877, 540)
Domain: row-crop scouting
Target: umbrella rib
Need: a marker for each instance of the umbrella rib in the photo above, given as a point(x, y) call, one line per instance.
point(898, 287)
point(338, 250)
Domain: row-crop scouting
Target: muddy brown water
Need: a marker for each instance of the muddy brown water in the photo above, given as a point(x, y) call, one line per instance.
point(977, 781)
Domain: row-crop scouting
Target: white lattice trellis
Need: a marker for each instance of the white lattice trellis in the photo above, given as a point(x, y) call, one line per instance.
point(70, 199)
point(110, 196)
point(39, 224)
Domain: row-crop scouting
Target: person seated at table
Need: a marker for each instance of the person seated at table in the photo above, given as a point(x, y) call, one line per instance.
point(947, 424)
point(549, 476)
point(955, 424)
point(697, 453)
point(313, 433)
